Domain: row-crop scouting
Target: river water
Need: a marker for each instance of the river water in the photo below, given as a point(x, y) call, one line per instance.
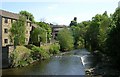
point(72, 63)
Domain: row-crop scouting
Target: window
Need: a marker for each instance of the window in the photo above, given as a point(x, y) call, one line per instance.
point(6, 20)
point(5, 40)
point(5, 30)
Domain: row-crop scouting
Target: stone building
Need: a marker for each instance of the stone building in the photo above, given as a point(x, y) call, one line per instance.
point(6, 20)
point(56, 29)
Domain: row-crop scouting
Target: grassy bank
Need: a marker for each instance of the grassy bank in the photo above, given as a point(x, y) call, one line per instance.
point(25, 55)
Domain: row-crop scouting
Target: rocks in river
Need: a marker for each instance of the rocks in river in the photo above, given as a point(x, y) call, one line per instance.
point(102, 71)
point(89, 71)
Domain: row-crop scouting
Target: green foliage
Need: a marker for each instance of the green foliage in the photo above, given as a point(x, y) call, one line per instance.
point(39, 53)
point(113, 41)
point(28, 15)
point(65, 39)
point(79, 32)
point(18, 31)
point(97, 31)
point(38, 35)
point(54, 48)
point(47, 28)
point(21, 56)
point(91, 36)
point(104, 29)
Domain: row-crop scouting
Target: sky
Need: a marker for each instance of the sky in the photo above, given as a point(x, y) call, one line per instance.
point(61, 11)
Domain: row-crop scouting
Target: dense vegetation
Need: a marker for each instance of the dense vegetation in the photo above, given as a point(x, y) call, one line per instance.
point(48, 29)
point(101, 33)
point(38, 36)
point(27, 15)
point(113, 42)
point(22, 56)
point(17, 32)
point(65, 39)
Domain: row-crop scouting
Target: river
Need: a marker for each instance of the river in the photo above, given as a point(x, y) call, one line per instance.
point(72, 63)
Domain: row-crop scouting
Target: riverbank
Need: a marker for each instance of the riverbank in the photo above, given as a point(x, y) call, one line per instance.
point(24, 55)
point(103, 68)
point(65, 64)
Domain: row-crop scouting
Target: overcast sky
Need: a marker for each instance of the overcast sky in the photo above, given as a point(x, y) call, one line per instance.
point(61, 11)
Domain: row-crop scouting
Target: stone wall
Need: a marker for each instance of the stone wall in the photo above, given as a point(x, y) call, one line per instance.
point(6, 52)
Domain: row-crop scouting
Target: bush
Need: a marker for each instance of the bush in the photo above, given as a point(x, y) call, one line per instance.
point(21, 56)
point(39, 53)
point(54, 48)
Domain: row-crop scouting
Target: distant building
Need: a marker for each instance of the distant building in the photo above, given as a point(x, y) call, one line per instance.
point(56, 29)
point(6, 20)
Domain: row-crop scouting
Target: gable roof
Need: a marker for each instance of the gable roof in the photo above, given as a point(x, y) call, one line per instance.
point(9, 14)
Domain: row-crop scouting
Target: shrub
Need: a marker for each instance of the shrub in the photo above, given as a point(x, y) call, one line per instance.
point(39, 53)
point(54, 48)
point(21, 56)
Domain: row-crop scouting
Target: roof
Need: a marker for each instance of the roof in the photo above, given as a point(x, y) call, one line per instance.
point(9, 14)
point(58, 26)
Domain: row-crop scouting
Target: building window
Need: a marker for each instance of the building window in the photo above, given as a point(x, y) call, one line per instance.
point(6, 41)
point(5, 30)
point(6, 20)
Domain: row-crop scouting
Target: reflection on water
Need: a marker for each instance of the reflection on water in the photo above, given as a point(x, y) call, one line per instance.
point(67, 64)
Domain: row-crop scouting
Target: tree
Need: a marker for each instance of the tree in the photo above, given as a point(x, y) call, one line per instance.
point(91, 36)
point(18, 31)
point(47, 28)
point(65, 39)
point(78, 34)
point(113, 41)
point(38, 35)
point(28, 15)
point(93, 32)
point(104, 29)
